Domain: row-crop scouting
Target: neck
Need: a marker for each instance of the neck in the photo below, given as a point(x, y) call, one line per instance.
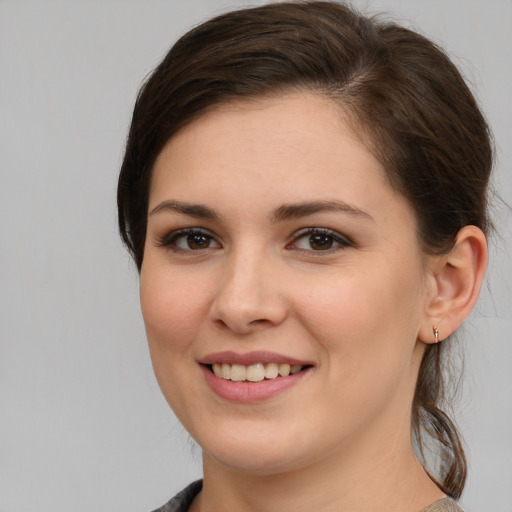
point(385, 476)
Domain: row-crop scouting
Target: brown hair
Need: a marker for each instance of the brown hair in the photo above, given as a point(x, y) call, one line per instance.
point(402, 94)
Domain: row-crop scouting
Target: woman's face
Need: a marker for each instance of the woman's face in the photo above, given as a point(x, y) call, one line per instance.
point(274, 239)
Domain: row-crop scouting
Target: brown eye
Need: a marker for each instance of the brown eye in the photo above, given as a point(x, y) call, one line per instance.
point(197, 241)
point(318, 240)
point(189, 240)
point(321, 242)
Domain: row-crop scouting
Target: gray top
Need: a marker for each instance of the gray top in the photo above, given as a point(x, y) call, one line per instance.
point(182, 501)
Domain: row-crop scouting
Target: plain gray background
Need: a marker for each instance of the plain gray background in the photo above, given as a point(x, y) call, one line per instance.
point(83, 425)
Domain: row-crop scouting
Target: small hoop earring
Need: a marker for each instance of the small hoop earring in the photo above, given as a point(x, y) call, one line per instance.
point(436, 333)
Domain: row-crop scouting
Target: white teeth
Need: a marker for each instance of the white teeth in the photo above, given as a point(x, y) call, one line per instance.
point(284, 370)
point(255, 372)
point(217, 369)
point(225, 371)
point(238, 372)
point(271, 371)
point(295, 369)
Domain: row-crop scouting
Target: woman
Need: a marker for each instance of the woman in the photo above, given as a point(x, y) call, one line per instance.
point(304, 195)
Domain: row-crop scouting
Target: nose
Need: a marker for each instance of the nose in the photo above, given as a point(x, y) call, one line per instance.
point(248, 297)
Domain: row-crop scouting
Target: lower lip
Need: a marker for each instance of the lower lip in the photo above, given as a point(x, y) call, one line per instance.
point(250, 392)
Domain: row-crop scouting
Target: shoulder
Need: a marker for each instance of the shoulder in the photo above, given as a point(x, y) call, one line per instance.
point(444, 505)
point(182, 501)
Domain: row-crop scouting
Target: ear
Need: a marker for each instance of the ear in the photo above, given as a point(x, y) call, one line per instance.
point(457, 279)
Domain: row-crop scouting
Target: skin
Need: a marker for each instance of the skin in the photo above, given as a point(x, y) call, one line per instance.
point(357, 311)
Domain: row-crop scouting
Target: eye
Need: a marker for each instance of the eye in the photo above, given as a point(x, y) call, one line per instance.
point(193, 239)
point(318, 240)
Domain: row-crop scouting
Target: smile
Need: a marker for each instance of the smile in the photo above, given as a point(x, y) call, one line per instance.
point(245, 391)
point(254, 372)
point(253, 377)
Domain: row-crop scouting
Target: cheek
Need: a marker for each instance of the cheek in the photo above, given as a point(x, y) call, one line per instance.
point(171, 310)
point(366, 326)
point(172, 316)
point(365, 314)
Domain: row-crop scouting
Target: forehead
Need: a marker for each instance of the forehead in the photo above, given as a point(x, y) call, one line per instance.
point(306, 126)
point(267, 152)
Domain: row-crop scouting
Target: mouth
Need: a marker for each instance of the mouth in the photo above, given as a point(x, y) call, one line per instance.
point(252, 377)
point(255, 372)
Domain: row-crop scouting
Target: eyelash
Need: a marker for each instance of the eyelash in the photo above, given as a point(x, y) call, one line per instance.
point(340, 242)
point(170, 240)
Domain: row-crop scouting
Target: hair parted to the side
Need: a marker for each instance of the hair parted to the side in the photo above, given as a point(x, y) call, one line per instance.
point(401, 92)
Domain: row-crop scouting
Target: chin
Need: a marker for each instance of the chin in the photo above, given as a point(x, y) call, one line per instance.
point(256, 461)
point(259, 449)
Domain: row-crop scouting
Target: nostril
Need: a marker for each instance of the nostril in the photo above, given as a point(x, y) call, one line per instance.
point(220, 323)
point(260, 321)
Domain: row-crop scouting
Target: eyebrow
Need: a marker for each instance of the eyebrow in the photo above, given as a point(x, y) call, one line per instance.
point(194, 210)
point(295, 211)
point(283, 213)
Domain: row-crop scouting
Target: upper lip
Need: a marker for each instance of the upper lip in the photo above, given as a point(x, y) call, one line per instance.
point(250, 358)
